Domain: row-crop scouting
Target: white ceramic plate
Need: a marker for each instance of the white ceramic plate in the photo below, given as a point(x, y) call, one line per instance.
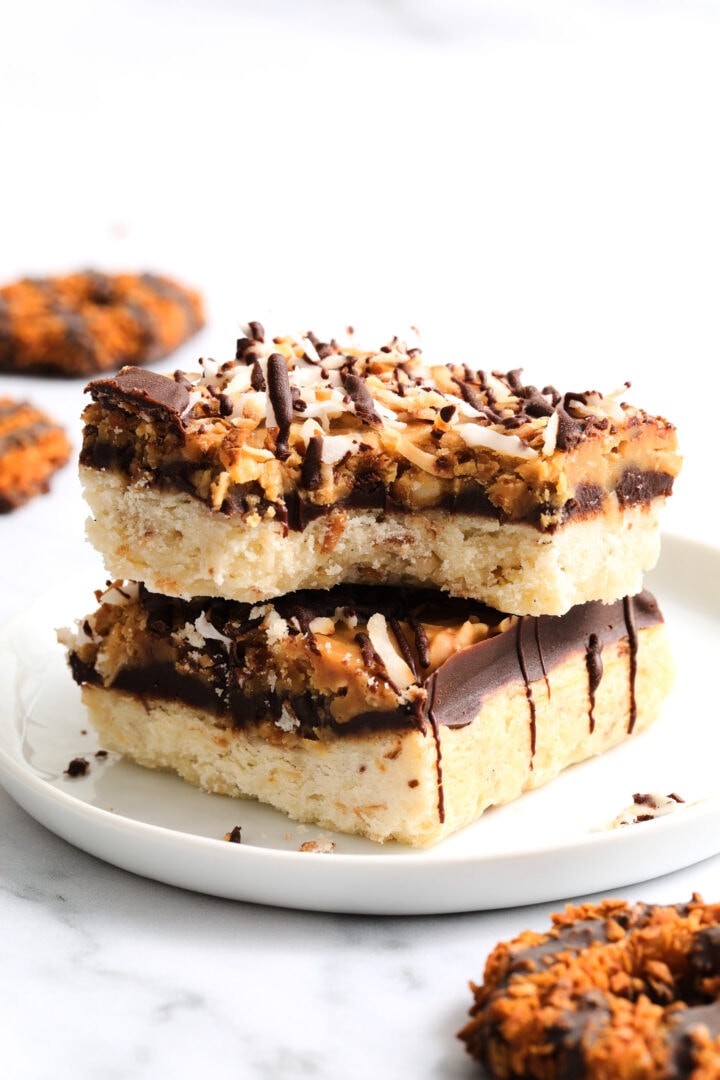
point(550, 844)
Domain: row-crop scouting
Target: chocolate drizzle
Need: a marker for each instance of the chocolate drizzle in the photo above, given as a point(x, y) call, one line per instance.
point(630, 625)
point(450, 696)
point(421, 641)
point(403, 644)
point(358, 392)
point(311, 473)
point(528, 688)
point(257, 379)
point(281, 401)
point(593, 662)
point(435, 728)
point(538, 646)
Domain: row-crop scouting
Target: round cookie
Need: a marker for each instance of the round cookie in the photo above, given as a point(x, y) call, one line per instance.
point(613, 991)
point(88, 322)
point(32, 448)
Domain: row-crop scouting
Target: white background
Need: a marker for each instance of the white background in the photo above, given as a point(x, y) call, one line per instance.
point(533, 185)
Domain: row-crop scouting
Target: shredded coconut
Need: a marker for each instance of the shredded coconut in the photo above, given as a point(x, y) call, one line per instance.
point(397, 669)
point(208, 631)
point(474, 435)
point(120, 593)
point(287, 721)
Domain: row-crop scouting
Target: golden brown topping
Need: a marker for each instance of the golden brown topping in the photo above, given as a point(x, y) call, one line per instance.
point(337, 424)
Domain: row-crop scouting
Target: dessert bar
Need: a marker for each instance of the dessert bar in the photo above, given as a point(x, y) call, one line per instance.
point(393, 713)
point(304, 464)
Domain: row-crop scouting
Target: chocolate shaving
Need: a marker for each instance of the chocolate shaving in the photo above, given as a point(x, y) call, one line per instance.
point(422, 644)
point(243, 345)
point(359, 394)
point(281, 401)
point(370, 657)
point(470, 395)
point(311, 473)
point(403, 644)
point(226, 404)
point(257, 379)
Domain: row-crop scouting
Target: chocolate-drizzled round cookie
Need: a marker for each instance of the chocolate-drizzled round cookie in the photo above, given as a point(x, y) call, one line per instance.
point(612, 991)
point(89, 322)
point(32, 447)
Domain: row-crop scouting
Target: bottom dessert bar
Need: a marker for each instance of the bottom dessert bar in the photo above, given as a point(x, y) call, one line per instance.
point(395, 714)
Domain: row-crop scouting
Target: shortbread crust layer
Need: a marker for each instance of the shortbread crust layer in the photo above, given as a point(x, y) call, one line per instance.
point(180, 547)
point(394, 714)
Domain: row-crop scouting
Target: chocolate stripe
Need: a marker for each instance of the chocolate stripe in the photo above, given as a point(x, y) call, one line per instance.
point(169, 290)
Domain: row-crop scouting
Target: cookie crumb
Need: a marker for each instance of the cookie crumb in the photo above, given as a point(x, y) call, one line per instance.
point(647, 806)
point(322, 845)
point(79, 766)
point(234, 836)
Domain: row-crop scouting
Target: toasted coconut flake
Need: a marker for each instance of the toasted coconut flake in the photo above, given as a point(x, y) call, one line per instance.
point(309, 429)
point(322, 846)
point(120, 592)
point(239, 383)
point(509, 445)
point(276, 627)
point(208, 631)
point(421, 458)
point(310, 350)
point(193, 398)
point(551, 430)
point(336, 447)
point(398, 671)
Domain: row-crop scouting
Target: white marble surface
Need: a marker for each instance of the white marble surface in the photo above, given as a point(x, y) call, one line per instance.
point(540, 179)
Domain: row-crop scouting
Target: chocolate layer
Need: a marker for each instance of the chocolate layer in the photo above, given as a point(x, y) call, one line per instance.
point(576, 1020)
point(161, 398)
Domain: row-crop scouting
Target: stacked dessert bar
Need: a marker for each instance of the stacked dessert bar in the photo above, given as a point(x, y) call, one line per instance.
point(378, 594)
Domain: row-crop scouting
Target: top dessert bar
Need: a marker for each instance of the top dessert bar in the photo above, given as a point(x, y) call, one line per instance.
point(301, 464)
